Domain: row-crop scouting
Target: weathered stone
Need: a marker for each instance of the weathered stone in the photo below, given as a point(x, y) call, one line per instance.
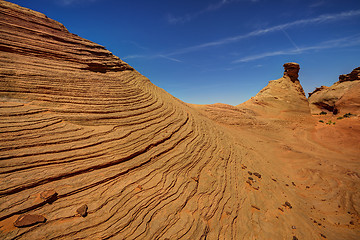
point(82, 210)
point(284, 96)
point(288, 204)
point(257, 174)
point(343, 96)
point(28, 220)
point(48, 196)
point(353, 76)
point(292, 71)
point(317, 90)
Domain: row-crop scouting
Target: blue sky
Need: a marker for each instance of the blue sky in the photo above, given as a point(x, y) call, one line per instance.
point(219, 50)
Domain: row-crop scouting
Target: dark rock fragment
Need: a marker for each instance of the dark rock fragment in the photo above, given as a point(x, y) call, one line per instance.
point(288, 204)
point(250, 173)
point(82, 210)
point(48, 196)
point(257, 174)
point(295, 238)
point(27, 220)
point(250, 178)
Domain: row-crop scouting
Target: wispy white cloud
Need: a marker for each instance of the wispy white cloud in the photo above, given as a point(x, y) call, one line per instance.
point(282, 27)
point(303, 22)
point(335, 43)
point(317, 4)
point(212, 7)
point(71, 2)
point(290, 39)
point(151, 57)
point(168, 58)
point(134, 56)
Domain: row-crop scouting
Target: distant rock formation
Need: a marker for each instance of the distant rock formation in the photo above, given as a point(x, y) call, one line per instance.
point(343, 96)
point(292, 71)
point(353, 76)
point(281, 96)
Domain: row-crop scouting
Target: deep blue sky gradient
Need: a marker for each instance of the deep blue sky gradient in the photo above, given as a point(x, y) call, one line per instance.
point(218, 50)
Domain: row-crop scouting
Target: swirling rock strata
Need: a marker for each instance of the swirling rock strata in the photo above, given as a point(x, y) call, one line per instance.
point(78, 121)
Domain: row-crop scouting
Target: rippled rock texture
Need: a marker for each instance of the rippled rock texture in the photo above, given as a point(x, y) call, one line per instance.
point(83, 128)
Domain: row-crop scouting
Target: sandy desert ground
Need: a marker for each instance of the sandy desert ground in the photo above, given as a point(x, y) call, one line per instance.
point(78, 126)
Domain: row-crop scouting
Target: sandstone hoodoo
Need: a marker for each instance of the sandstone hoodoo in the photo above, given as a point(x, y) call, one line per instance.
point(342, 97)
point(80, 126)
point(292, 71)
point(282, 97)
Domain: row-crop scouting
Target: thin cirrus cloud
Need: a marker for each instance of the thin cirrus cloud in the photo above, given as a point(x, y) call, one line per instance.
point(71, 2)
point(326, 18)
point(212, 7)
point(151, 57)
point(335, 43)
point(317, 20)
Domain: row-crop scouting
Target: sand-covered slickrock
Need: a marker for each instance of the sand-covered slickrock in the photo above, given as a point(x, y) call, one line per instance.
point(342, 97)
point(78, 121)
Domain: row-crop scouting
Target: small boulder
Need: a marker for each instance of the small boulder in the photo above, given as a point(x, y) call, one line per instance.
point(49, 196)
point(27, 220)
point(82, 210)
point(257, 174)
point(288, 204)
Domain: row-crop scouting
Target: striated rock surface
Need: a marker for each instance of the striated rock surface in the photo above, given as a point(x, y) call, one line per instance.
point(342, 97)
point(77, 119)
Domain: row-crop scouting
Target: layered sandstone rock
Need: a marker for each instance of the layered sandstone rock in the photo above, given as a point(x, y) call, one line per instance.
point(342, 97)
point(353, 76)
point(83, 129)
point(281, 97)
point(292, 71)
